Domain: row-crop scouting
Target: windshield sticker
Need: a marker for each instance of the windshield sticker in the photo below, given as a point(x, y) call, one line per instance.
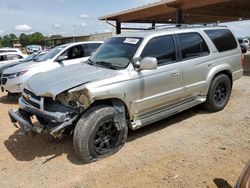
point(131, 41)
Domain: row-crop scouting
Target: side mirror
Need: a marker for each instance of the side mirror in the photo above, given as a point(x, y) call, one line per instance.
point(147, 63)
point(61, 58)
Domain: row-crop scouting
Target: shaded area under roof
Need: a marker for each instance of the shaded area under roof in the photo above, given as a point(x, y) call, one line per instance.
point(187, 11)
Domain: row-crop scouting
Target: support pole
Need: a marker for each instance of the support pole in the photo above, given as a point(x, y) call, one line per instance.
point(179, 16)
point(118, 27)
point(153, 25)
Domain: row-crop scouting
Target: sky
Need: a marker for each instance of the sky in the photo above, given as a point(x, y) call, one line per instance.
point(71, 17)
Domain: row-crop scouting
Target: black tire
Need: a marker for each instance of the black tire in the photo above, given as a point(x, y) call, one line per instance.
point(96, 136)
point(219, 93)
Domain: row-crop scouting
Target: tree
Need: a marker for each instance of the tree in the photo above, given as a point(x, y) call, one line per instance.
point(1, 42)
point(23, 39)
point(12, 36)
point(36, 38)
point(6, 41)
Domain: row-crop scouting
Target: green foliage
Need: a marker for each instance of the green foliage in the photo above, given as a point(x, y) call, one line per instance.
point(34, 38)
point(23, 39)
point(6, 41)
point(12, 36)
point(1, 42)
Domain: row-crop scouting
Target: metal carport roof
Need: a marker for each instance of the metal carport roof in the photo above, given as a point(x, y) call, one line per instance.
point(184, 11)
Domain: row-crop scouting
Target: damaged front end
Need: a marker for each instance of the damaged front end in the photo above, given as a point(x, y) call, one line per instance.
point(54, 116)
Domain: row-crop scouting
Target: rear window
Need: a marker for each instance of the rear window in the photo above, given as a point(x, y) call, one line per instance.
point(223, 39)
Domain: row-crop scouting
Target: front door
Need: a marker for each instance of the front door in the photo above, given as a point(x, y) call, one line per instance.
point(162, 87)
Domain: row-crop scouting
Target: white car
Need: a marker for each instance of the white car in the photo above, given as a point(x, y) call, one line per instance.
point(2, 50)
point(33, 48)
point(14, 78)
point(10, 57)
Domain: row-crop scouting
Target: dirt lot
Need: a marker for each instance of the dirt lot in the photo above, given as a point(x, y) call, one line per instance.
point(192, 149)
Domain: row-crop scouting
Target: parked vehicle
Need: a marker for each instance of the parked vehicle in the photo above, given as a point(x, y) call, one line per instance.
point(10, 57)
point(32, 57)
point(131, 81)
point(33, 48)
point(244, 42)
point(14, 78)
point(2, 50)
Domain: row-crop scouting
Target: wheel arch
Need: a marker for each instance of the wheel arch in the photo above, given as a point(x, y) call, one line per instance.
point(112, 102)
point(213, 74)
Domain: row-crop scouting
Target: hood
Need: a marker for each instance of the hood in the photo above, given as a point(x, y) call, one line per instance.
point(25, 66)
point(50, 84)
point(5, 66)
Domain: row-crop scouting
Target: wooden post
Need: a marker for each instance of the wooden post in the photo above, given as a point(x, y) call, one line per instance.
point(118, 27)
point(153, 25)
point(179, 16)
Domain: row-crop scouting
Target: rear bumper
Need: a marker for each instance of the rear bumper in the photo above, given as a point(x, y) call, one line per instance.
point(237, 74)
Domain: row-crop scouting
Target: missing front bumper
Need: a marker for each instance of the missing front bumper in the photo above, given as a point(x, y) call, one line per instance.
point(23, 120)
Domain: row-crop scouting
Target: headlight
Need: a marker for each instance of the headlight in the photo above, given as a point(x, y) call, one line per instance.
point(75, 99)
point(15, 75)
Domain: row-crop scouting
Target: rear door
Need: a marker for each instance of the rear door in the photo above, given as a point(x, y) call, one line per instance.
point(195, 56)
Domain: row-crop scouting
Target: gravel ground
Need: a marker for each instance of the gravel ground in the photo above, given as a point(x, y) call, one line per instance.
point(192, 149)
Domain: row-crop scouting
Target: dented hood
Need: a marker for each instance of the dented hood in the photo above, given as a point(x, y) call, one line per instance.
point(50, 84)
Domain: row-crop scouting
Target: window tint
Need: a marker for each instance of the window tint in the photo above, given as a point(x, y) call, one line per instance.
point(2, 51)
point(90, 48)
point(12, 57)
point(223, 39)
point(192, 45)
point(117, 51)
point(74, 52)
point(162, 48)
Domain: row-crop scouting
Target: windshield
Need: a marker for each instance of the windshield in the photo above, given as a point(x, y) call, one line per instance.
point(116, 53)
point(29, 58)
point(51, 54)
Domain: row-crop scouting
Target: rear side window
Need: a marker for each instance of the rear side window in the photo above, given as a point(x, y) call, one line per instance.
point(223, 39)
point(192, 45)
point(162, 48)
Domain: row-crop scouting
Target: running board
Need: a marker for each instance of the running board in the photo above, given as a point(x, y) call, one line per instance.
point(164, 113)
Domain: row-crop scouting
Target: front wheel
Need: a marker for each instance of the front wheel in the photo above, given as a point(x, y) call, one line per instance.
point(219, 93)
point(97, 135)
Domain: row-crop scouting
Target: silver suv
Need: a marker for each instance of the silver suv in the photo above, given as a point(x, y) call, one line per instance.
point(132, 80)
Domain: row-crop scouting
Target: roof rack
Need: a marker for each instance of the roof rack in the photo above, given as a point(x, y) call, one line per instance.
point(170, 26)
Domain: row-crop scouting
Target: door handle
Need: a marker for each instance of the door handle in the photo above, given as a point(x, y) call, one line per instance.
point(175, 73)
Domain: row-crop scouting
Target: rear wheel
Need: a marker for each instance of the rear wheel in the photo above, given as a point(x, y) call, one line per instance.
point(219, 93)
point(96, 134)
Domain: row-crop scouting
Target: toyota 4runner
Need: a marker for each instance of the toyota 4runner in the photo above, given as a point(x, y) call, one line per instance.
point(132, 80)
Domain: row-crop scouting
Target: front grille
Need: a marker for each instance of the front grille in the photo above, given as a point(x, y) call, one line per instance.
point(3, 81)
point(31, 98)
point(31, 94)
point(31, 102)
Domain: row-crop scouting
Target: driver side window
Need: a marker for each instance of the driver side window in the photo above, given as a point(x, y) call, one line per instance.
point(74, 52)
point(162, 48)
